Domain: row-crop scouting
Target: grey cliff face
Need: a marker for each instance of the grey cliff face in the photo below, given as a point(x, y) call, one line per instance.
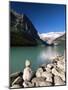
point(22, 31)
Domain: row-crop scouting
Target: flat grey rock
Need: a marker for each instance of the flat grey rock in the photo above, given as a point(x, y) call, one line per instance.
point(40, 81)
point(47, 75)
point(39, 72)
point(16, 86)
point(59, 72)
point(58, 80)
point(18, 80)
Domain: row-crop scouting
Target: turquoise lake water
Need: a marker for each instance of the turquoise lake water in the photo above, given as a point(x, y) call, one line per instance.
point(37, 55)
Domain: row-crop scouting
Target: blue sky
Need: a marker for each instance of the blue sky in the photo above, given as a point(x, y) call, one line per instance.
point(45, 17)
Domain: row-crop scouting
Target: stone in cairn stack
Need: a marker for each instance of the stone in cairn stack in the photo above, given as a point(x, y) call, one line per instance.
point(27, 73)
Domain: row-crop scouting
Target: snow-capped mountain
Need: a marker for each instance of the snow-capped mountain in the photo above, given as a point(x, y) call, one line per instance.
point(51, 36)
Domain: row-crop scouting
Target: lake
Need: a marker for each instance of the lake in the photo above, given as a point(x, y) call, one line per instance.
point(37, 55)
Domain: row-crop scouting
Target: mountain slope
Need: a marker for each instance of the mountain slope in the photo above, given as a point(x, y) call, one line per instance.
point(61, 39)
point(22, 31)
point(53, 37)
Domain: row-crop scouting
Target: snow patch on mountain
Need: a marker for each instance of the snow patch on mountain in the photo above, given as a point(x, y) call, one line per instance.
point(51, 35)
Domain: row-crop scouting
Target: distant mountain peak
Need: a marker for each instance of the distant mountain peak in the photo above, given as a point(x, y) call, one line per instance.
point(51, 34)
point(50, 37)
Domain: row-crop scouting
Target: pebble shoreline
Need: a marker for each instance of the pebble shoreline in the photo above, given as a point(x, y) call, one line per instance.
point(52, 74)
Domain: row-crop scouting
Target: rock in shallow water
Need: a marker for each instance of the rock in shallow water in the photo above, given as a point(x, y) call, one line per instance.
point(27, 74)
point(58, 81)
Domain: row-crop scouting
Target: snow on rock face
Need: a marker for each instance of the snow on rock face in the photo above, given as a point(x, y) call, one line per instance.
point(51, 35)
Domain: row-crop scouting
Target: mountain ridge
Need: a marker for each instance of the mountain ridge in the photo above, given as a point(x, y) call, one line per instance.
point(51, 37)
point(22, 31)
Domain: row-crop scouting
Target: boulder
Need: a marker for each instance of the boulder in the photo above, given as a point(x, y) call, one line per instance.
point(61, 58)
point(55, 72)
point(13, 76)
point(45, 83)
point(39, 72)
point(49, 79)
point(50, 66)
point(61, 65)
point(40, 81)
point(18, 80)
point(58, 81)
point(59, 72)
point(48, 69)
point(16, 86)
point(37, 80)
point(27, 84)
point(27, 74)
point(62, 75)
point(47, 75)
point(58, 58)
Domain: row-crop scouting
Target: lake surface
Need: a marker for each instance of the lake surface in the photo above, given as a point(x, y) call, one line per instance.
point(37, 55)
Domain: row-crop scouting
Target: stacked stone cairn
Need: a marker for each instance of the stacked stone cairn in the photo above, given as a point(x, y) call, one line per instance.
point(52, 74)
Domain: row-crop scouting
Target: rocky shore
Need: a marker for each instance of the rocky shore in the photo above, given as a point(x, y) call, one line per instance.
point(52, 74)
